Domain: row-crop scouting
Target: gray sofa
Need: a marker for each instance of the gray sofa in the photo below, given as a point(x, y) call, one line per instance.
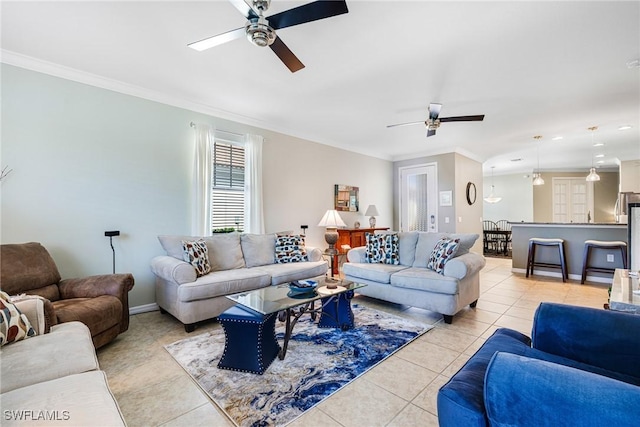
point(54, 378)
point(412, 283)
point(239, 262)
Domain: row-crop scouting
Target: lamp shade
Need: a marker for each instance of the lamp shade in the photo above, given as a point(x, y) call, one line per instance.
point(593, 176)
point(331, 219)
point(492, 197)
point(537, 179)
point(372, 211)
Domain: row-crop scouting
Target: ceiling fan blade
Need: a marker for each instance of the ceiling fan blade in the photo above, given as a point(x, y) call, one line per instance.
point(406, 124)
point(284, 53)
point(478, 118)
point(210, 42)
point(431, 132)
point(244, 8)
point(307, 13)
point(434, 111)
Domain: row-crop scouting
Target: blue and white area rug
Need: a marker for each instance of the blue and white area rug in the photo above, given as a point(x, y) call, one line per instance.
point(319, 362)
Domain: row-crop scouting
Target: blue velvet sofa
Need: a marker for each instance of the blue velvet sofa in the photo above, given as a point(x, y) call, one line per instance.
point(581, 367)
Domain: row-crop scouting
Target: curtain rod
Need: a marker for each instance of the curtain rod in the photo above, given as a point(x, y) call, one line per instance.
point(193, 125)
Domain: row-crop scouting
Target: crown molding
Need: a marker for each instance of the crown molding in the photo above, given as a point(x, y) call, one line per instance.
point(56, 70)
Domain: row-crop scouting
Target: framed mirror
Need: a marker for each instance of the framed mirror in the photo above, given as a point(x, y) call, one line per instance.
point(346, 198)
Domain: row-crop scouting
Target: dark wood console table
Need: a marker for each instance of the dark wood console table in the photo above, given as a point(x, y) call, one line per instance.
point(355, 237)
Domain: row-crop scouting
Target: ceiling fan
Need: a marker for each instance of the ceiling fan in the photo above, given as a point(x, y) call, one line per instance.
point(433, 122)
point(261, 31)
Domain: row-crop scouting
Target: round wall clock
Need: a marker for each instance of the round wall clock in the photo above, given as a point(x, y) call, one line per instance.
point(471, 193)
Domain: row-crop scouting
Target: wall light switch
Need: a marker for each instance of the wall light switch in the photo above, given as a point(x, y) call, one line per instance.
point(459, 219)
point(610, 258)
point(446, 220)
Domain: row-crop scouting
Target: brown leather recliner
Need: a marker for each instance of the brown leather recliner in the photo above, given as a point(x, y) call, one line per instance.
point(100, 302)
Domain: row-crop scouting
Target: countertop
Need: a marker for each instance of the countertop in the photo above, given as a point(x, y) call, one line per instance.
point(568, 224)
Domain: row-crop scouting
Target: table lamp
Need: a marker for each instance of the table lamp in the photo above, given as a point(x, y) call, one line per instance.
point(372, 212)
point(331, 220)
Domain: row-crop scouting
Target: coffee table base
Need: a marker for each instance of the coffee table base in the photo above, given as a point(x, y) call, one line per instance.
point(336, 312)
point(250, 340)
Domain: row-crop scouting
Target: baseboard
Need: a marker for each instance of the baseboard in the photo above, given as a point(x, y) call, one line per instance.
point(143, 308)
point(578, 277)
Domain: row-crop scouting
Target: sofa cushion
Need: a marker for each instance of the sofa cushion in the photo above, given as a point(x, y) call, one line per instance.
point(195, 253)
point(99, 313)
point(290, 248)
point(467, 240)
point(172, 245)
point(258, 249)
point(373, 272)
point(425, 280)
point(225, 252)
point(424, 247)
point(79, 400)
point(14, 325)
point(283, 273)
point(461, 400)
point(444, 250)
point(382, 248)
point(26, 266)
point(407, 247)
point(67, 350)
point(225, 282)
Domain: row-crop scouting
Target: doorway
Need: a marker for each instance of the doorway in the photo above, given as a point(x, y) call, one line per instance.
point(572, 200)
point(418, 198)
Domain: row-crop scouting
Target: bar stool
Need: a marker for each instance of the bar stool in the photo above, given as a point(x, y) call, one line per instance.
point(600, 244)
point(531, 258)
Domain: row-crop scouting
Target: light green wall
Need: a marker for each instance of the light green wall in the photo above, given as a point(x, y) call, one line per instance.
point(86, 160)
point(516, 191)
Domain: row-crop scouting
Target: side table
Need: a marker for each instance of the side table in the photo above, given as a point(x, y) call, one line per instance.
point(625, 291)
point(334, 261)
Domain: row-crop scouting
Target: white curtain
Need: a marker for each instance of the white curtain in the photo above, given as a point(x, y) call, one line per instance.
point(253, 214)
point(201, 219)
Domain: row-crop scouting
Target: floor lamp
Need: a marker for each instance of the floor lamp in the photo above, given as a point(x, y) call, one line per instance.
point(110, 235)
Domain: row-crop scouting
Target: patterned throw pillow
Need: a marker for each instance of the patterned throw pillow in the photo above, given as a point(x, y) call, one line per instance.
point(197, 254)
point(14, 325)
point(444, 250)
point(382, 249)
point(290, 248)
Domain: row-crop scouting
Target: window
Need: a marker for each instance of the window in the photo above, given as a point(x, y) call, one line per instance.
point(227, 187)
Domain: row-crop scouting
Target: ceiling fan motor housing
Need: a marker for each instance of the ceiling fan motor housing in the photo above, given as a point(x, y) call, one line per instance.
point(259, 32)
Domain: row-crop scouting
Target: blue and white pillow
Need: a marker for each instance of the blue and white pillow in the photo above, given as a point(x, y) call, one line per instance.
point(443, 251)
point(290, 248)
point(382, 249)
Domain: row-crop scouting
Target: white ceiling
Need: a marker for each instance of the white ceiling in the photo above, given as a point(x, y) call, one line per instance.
point(533, 68)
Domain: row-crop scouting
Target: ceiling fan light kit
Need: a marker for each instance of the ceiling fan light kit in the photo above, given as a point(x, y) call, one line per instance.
point(261, 31)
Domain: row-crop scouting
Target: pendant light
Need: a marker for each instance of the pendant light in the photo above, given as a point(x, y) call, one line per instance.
point(593, 176)
point(537, 178)
point(492, 198)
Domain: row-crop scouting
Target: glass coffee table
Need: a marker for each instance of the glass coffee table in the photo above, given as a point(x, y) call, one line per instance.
point(249, 326)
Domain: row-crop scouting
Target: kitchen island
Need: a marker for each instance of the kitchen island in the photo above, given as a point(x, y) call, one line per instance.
point(574, 235)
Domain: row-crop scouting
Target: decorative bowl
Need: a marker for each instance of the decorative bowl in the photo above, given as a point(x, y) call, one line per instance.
point(302, 287)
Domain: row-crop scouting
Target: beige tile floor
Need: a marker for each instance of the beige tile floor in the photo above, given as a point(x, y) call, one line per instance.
point(153, 390)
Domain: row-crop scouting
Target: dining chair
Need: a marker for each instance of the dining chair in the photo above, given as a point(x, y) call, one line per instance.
point(505, 226)
point(490, 239)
